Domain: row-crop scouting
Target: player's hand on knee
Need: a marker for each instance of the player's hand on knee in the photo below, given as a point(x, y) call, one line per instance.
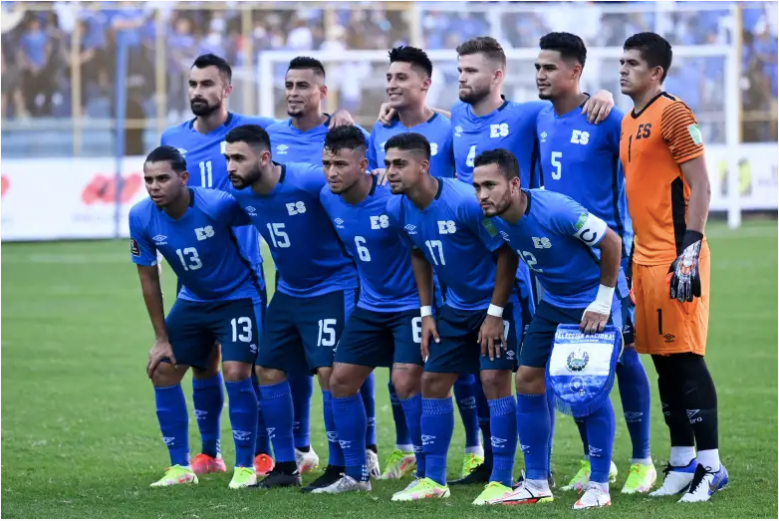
point(381, 173)
point(386, 114)
point(429, 330)
point(161, 350)
point(593, 322)
point(491, 337)
point(598, 106)
point(341, 118)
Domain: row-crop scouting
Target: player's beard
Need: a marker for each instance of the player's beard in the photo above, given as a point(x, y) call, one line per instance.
point(201, 107)
point(249, 179)
point(474, 95)
point(502, 205)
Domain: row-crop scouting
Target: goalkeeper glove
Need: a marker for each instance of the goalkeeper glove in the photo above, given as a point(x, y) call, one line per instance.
point(684, 272)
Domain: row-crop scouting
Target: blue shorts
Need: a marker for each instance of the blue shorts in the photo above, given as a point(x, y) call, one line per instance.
point(194, 327)
point(539, 338)
point(374, 339)
point(302, 332)
point(459, 351)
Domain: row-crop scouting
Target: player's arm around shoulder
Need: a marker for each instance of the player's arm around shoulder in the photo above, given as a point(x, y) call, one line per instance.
point(224, 208)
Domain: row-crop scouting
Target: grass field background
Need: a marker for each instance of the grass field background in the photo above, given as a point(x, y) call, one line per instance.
point(80, 435)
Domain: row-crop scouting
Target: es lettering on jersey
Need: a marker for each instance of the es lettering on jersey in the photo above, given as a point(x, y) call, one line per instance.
point(309, 256)
point(511, 126)
point(382, 256)
point(289, 144)
point(437, 130)
point(200, 246)
point(451, 235)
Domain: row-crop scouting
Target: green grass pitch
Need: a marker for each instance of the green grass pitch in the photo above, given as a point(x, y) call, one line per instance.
point(80, 435)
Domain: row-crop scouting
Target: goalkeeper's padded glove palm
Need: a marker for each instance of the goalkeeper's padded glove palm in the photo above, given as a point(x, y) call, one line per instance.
point(684, 274)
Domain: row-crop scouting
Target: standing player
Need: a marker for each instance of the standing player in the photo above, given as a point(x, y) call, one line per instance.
point(443, 224)
point(317, 289)
point(581, 160)
point(668, 195)
point(221, 299)
point(555, 237)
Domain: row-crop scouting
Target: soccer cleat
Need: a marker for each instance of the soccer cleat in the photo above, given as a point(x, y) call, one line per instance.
point(479, 475)
point(243, 477)
point(525, 494)
point(470, 462)
point(705, 484)
point(549, 479)
point(345, 484)
point(582, 478)
point(372, 462)
point(424, 488)
point(279, 479)
point(332, 474)
point(677, 479)
point(263, 464)
point(177, 475)
point(593, 497)
point(641, 479)
point(205, 464)
point(307, 461)
point(399, 464)
point(491, 492)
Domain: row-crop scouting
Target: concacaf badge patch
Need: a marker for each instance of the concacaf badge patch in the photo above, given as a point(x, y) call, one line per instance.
point(695, 133)
point(487, 223)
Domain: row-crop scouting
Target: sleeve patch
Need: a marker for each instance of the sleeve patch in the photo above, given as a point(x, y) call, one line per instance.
point(490, 227)
point(695, 134)
point(581, 221)
point(135, 249)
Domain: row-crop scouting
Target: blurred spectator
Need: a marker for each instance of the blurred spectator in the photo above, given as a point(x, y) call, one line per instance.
point(33, 58)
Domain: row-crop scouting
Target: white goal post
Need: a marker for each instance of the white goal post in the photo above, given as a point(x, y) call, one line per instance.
point(360, 74)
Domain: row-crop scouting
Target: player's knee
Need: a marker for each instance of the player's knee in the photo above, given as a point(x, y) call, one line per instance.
point(344, 382)
point(324, 374)
point(268, 376)
point(165, 375)
point(407, 382)
point(496, 384)
point(236, 371)
point(530, 380)
point(435, 385)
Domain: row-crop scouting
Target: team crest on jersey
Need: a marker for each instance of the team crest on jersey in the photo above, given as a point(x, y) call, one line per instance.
point(282, 150)
point(577, 360)
point(490, 227)
point(543, 137)
point(458, 131)
point(183, 152)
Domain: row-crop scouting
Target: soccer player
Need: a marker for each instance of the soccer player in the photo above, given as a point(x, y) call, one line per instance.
point(316, 291)
point(201, 141)
point(554, 235)
point(668, 195)
point(474, 331)
point(384, 329)
point(408, 80)
point(581, 160)
point(300, 139)
point(221, 299)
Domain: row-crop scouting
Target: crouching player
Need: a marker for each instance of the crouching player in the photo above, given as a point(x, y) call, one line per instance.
point(220, 300)
point(555, 237)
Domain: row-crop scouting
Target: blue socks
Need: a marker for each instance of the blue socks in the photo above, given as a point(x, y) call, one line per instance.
point(412, 409)
point(208, 399)
point(465, 394)
point(600, 433)
point(503, 420)
point(276, 406)
point(368, 392)
point(483, 412)
point(635, 394)
point(243, 419)
point(174, 422)
point(402, 436)
point(301, 385)
point(550, 401)
point(336, 454)
point(534, 431)
point(437, 430)
point(351, 422)
point(263, 441)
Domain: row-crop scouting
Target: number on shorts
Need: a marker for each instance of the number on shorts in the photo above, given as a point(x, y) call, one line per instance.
point(192, 260)
point(416, 329)
point(506, 328)
point(326, 332)
point(245, 324)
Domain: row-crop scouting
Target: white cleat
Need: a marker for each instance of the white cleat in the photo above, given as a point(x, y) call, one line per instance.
point(525, 494)
point(705, 484)
point(372, 460)
point(345, 484)
point(307, 461)
point(677, 480)
point(593, 497)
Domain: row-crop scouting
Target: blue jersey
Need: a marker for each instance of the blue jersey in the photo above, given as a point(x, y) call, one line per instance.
point(437, 130)
point(453, 239)
point(288, 144)
point(383, 257)
point(200, 246)
point(511, 126)
point(309, 257)
point(555, 238)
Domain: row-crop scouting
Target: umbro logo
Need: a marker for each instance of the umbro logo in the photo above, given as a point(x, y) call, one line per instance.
point(270, 432)
point(339, 223)
point(160, 239)
point(427, 439)
point(633, 417)
point(251, 210)
point(282, 149)
point(692, 415)
point(332, 436)
point(345, 444)
point(200, 414)
point(169, 440)
point(241, 435)
point(411, 229)
point(468, 403)
point(498, 443)
point(595, 451)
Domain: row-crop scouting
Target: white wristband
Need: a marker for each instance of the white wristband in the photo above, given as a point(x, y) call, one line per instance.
point(603, 301)
point(426, 311)
point(495, 311)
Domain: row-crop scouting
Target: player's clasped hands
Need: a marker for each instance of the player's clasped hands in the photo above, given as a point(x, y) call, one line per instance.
point(159, 352)
point(491, 337)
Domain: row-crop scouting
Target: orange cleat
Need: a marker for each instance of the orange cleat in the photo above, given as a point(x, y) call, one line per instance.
point(205, 464)
point(263, 464)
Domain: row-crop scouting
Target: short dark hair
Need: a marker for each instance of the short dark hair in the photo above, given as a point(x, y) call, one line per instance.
point(506, 161)
point(170, 154)
point(484, 45)
point(409, 141)
point(414, 56)
point(306, 62)
point(212, 60)
point(345, 136)
point(653, 48)
point(570, 46)
point(253, 135)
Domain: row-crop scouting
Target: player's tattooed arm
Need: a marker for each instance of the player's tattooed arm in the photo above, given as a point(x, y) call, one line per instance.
point(597, 314)
point(387, 113)
point(341, 118)
point(152, 296)
point(423, 273)
point(491, 333)
point(598, 106)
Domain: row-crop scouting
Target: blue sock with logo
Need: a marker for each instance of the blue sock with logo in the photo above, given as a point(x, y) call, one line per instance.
point(550, 402)
point(600, 431)
point(437, 430)
point(402, 436)
point(465, 394)
point(483, 412)
point(243, 420)
point(636, 402)
point(412, 409)
point(263, 441)
point(351, 423)
point(208, 399)
point(174, 422)
point(368, 392)
point(336, 454)
point(277, 411)
point(301, 385)
point(503, 421)
point(533, 428)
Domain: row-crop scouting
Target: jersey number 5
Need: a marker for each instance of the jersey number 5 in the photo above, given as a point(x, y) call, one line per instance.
point(558, 173)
